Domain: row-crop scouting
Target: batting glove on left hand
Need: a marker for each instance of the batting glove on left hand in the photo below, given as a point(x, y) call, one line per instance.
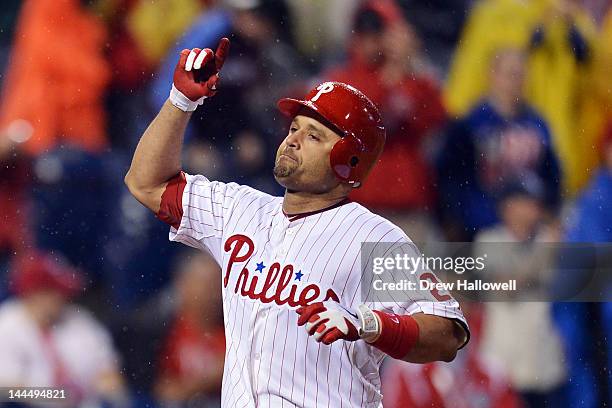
point(196, 75)
point(329, 321)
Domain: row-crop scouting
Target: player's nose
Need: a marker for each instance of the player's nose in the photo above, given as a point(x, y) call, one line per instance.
point(293, 139)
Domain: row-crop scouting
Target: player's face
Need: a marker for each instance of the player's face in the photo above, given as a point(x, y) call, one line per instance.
point(302, 159)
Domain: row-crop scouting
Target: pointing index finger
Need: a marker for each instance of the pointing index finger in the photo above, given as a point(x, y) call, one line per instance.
point(222, 52)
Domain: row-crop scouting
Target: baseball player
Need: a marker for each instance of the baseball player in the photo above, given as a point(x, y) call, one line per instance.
point(298, 334)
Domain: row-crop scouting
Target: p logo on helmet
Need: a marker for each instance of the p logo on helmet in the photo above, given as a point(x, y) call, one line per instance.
point(357, 119)
point(325, 87)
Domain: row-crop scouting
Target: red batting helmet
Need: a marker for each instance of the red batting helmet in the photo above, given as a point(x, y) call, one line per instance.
point(358, 120)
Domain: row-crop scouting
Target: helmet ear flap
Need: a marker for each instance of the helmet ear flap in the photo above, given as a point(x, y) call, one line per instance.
point(345, 159)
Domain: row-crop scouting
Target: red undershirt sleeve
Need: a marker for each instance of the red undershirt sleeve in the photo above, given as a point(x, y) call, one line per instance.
point(171, 207)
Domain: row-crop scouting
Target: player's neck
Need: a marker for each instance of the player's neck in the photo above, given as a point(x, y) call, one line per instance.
point(297, 202)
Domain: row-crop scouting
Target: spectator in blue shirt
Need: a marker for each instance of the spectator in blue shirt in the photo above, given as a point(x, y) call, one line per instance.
point(590, 221)
point(501, 139)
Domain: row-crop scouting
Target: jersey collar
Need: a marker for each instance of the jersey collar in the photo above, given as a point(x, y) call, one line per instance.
point(294, 217)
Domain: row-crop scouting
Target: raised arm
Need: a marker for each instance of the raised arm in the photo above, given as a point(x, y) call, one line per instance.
point(158, 155)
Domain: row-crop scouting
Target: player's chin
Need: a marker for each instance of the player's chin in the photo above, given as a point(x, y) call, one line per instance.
point(284, 172)
point(292, 183)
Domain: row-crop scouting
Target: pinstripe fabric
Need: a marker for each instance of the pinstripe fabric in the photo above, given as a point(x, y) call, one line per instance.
point(270, 361)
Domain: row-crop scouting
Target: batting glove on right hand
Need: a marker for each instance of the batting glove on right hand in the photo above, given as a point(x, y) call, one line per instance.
point(330, 321)
point(196, 75)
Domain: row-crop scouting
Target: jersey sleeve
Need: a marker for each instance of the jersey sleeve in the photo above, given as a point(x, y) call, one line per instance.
point(410, 299)
point(197, 210)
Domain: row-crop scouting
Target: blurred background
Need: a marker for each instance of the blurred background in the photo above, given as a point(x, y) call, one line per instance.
point(499, 129)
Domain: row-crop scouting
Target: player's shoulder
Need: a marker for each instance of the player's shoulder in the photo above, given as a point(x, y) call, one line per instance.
point(253, 201)
point(379, 229)
point(239, 193)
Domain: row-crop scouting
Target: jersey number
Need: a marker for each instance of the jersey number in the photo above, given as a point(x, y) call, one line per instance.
point(434, 292)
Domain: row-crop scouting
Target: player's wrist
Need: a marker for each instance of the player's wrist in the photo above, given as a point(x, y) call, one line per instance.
point(397, 334)
point(369, 324)
point(182, 102)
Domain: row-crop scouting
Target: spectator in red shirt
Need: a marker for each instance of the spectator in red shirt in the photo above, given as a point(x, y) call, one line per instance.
point(385, 62)
point(50, 341)
point(191, 366)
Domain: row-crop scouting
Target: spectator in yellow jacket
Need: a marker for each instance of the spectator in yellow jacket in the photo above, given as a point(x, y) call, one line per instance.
point(596, 108)
point(492, 25)
point(559, 35)
point(561, 51)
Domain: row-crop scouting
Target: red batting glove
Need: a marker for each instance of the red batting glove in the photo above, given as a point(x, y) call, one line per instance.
point(328, 321)
point(196, 75)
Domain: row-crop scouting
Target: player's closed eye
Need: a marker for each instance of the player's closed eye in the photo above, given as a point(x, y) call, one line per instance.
point(314, 137)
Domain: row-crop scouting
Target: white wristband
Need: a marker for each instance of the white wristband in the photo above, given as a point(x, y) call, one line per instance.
point(182, 102)
point(370, 325)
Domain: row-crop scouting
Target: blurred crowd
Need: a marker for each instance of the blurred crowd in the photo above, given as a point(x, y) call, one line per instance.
point(499, 129)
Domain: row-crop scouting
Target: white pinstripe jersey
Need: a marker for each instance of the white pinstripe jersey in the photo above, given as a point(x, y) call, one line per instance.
point(271, 262)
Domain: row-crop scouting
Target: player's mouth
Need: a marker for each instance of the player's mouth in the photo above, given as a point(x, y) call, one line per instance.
point(289, 157)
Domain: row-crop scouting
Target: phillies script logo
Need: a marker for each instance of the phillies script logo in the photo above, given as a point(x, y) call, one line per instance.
point(276, 280)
